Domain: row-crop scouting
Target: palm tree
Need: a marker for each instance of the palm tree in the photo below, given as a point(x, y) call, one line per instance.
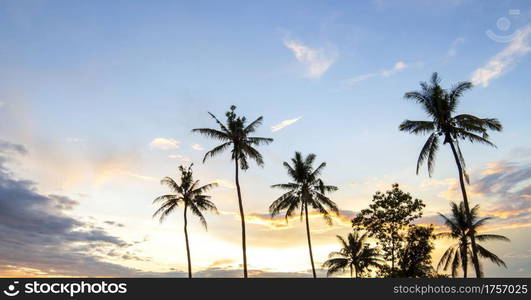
point(355, 254)
point(306, 189)
point(457, 254)
point(235, 133)
point(440, 105)
point(192, 196)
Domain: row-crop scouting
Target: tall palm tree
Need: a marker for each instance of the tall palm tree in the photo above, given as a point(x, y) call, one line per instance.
point(440, 105)
point(189, 194)
point(306, 189)
point(234, 134)
point(355, 254)
point(457, 254)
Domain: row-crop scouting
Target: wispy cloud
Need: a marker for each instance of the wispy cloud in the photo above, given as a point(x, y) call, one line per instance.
point(197, 147)
point(164, 143)
point(316, 61)
point(224, 183)
point(179, 157)
point(283, 124)
point(504, 61)
point(452, 51)
point(398, 67)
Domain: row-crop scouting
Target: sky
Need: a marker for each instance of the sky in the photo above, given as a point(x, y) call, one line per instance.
point(98, 99)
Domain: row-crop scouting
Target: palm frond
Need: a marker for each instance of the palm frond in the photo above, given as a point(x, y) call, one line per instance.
point(417, 127)
point(428, 152)
point(213, 133)
point(490, 256)
point(252, 127)
point(489, 237)
point(216, 150)
point(169, 182)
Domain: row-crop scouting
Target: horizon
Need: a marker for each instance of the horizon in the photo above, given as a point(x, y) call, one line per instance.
point(98, 101)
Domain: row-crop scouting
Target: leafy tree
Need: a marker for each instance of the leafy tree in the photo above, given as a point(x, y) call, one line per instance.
point(189, 194)
point(387, 217)
point(306, 189)
point(356, 255)
point(415, 256)
point(440, 105)
point(457, 255)
point(234, 135)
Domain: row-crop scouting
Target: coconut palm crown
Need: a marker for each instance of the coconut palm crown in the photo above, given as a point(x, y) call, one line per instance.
point(457, 255)
point(355, 255)
point(306, 189)
point(189, 194)
point(234, 135)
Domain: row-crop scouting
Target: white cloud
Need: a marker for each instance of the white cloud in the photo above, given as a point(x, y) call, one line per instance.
point(179, 157)
point(164, 144)
point(398, 67)
point(224, 183)
point(2, 104)
point(502, 62)
point(452, 51)
point(283, 124)
point(197, 147)
point(316, 61)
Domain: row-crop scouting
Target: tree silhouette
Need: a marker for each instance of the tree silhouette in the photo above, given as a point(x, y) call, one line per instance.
point(440, 105)
point(457, 254)
point(189, 194)
point(306, 189)
point(415, 257)
point(234, 134)
point(387, 217)
point(355, 254)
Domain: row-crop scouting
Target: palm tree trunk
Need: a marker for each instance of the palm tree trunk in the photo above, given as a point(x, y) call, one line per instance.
point(242, 217)
point(465, 270)
point(309, 238)
point(464, 259)
point(187, 243)
point(475, 259)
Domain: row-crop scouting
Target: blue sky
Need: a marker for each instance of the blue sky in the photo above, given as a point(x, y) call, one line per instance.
point(86, 87)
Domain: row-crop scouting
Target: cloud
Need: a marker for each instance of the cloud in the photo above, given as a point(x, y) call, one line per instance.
point(505, 60)
point(452, 51)
point(398, 67)
point(180, 157)
point(2, 104)
point(164, 144)
point(316, 61)
point(503, 188)
point(222, 262)
point(280, 222)
point(224, 183)
point(197, 147)
point(7, 147)
point(283, 124)
point(38, 235)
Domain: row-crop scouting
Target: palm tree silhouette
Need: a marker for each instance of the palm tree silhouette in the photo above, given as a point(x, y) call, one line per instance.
point(235, 133)
point(355, 254)
point(192, 196)
point(440, 105)
point(306, 189)
point(457, 254)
